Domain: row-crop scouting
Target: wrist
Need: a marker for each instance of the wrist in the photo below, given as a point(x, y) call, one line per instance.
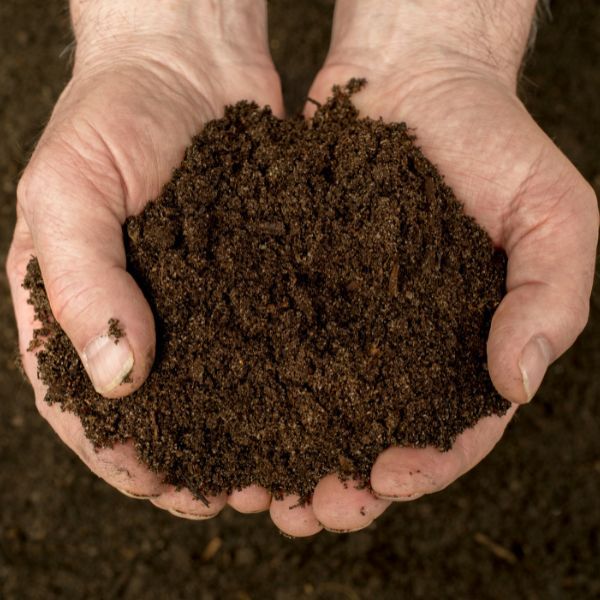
point(483, 36)
point(227, 31)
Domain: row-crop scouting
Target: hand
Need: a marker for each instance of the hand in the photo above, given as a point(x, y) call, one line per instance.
point(453, 81)
point(146, 77)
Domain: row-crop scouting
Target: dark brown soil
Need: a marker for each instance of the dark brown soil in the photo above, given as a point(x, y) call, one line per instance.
point(304, 277)
point(66, 534)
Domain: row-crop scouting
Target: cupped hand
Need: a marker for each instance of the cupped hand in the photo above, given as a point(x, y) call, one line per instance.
point(533, 203)
point(118, 130)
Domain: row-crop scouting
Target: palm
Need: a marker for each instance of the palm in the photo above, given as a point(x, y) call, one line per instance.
point(130, 125)
point(479, 135)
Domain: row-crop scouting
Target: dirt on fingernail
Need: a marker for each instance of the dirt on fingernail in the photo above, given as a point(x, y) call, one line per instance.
point(319, 295)
point(115, 330)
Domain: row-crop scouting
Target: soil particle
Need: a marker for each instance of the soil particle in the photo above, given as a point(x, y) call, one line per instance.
point(319, 294)
point(115, 330)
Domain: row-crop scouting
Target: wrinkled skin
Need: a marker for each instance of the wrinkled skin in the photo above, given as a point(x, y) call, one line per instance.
point(121, 126)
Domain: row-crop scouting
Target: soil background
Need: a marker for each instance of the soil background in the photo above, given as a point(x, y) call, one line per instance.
point(524, 524)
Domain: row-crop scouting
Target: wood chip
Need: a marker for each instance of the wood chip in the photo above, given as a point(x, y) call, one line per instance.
point(496, 549)
point(374, 350)
point(212, 548)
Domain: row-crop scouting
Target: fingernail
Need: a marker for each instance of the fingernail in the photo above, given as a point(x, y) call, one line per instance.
point(402, 497)
point(347, 530)
point(287, 535)
point(534, 361)
point(192, 517)
point(403, 484)
point(108, 362)
point(336, 530)
point(137, 496)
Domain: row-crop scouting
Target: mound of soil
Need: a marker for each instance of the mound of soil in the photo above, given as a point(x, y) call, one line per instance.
point(319, 295)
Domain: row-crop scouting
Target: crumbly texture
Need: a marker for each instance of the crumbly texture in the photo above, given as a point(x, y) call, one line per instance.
point(319, 295)
point(115, 331)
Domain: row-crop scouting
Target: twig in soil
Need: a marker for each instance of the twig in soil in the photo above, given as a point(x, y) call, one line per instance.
point(329, 588)
point(202, 499)
point(393, 283)
point(211, 549)
point(496, 549)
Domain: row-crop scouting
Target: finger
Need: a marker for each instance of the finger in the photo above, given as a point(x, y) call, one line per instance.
point(74, 205)
point(182, 503)
point(551, 247)
point(251, 499)
point(119, 466)
point(402, 474)
point(292, 519)
point(345, 506)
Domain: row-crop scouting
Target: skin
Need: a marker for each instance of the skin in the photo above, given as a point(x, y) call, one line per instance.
point(449, 70)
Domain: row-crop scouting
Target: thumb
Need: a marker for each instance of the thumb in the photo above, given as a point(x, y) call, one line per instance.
point(551, 258)
point(75, 222)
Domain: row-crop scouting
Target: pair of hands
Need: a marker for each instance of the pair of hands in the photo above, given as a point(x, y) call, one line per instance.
point(136, 98)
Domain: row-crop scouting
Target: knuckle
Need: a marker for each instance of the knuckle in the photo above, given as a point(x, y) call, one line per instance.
point(68, 298)
point(588, 207)
point(32, 189)
point(11, 265)
point(581, 314)
point(24, 185)
point(17, 260)
point(32, 184)
point(573, 313)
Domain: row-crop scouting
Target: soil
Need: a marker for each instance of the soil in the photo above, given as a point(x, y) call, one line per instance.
point(304, 277)
point(524, 524)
